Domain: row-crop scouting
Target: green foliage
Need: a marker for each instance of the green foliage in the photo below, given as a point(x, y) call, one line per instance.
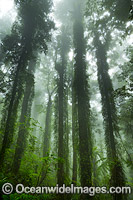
point(120, 9)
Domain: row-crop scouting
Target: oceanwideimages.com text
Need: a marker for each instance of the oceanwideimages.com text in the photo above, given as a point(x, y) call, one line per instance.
point(8, 188)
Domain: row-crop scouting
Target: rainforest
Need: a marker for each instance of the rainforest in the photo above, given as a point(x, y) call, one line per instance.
point(66, 99)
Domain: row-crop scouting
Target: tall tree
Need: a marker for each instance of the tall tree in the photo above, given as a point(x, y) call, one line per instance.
point(32, 31)
point(125, 101)
point(46, 137)
point(61, 69)
point(25, 117)
point(110, 117)
point(75, 140)
point(81, 88)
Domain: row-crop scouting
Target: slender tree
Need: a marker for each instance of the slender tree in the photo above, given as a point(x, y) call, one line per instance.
point(74, 136)
point(61, 69)
point(32, 32)
point(66, 131)
point(81, 88)
point(47, 128)
point(110, 117)
point(46, 137)
point(25, 117)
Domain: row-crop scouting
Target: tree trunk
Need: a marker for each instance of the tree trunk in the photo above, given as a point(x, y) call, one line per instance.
point(17, 91)
point(47, 132)
point(47, 136)
point(24, 118)
point(66, 132)
point(110, 117)
point(60, 173)
point(74, 136)
point(61, 68)
point(83, 108)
